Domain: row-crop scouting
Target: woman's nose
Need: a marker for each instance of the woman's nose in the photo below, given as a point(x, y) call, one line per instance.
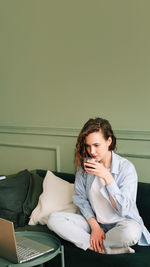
point(92, 150)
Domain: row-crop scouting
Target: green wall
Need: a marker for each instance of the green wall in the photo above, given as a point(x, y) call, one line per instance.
point(62, 62)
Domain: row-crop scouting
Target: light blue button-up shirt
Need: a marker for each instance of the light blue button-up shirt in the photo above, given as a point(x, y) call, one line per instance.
point(123, 190)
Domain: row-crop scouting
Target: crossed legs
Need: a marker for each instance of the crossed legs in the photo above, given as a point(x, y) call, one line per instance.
point(74, 228)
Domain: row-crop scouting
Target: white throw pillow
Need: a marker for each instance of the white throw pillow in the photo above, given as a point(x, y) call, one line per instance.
point(57, 196)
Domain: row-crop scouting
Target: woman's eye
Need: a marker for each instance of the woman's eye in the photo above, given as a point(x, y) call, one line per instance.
point(97, 145)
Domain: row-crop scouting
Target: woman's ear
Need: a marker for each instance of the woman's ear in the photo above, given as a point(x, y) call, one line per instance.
point(109, 140)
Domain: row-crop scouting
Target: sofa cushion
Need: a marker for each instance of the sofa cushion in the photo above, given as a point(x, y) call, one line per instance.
point(57, 196)
point(13, 192)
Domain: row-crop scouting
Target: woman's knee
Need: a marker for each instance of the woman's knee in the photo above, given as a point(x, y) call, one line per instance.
point(135, 232)
point(131, 233)
point(53, 219)
point(57, 218)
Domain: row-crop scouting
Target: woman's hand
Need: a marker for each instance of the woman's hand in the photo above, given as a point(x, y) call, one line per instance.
point(97, 236)
point(99, 170)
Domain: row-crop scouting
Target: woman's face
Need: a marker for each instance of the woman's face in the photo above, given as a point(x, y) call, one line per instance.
point(97, 147)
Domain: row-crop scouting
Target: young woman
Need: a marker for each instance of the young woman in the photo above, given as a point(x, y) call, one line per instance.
point(105, 193)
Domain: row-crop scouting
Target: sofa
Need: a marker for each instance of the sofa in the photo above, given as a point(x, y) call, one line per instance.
point(20, 196)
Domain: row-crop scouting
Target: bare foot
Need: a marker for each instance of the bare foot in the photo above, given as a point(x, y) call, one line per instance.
point(121, 250)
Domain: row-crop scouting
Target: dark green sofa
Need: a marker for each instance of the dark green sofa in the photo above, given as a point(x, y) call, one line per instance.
point(19, 195)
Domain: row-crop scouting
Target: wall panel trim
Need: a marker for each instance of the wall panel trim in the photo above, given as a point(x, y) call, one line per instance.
point(47, 131)
point(56, 149)
point(132, 155)
point(72, 132)
point(130, 135)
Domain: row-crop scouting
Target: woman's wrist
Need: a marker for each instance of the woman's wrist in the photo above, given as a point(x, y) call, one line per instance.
point(108, 178)
point(93, 222)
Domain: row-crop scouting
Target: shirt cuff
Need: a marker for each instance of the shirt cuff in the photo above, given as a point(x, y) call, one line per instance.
point(113, 188)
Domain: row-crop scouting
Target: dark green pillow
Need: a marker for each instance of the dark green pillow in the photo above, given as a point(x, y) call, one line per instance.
point(13, 192)
point(34, 191)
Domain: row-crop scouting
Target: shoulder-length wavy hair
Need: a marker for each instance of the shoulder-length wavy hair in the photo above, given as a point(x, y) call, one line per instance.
point(91, 126)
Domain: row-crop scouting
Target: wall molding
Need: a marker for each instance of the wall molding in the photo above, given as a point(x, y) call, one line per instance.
point(56, 149)
point(136, 156)
point(39, 130)
point(70, 132)
point(130, 135)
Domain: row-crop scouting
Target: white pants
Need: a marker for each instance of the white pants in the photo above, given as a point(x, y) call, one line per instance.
point(74, 228)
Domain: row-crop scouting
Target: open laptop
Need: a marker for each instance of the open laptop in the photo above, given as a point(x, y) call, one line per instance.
point(17, 248)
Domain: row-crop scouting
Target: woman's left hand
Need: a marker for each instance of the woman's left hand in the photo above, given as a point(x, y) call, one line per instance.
point(99, 170)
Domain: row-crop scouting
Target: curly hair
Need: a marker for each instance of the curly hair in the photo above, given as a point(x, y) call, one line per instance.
point(91, 126)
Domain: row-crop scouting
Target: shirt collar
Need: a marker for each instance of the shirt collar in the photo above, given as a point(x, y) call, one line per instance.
point(115, 163)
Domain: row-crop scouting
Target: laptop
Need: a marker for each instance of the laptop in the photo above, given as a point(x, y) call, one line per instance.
point(18, 248)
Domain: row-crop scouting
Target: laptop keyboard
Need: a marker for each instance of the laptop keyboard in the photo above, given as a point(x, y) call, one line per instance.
point(28, 249)
point(26, 253)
